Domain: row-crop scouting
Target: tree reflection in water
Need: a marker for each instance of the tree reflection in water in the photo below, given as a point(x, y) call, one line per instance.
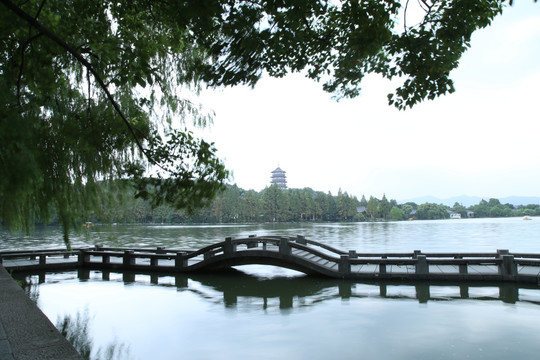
point(76, 331)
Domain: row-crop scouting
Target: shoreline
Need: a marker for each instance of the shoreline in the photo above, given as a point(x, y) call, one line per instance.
point(25, 332)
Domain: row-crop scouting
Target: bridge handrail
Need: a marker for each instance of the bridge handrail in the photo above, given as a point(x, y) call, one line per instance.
point(326, 247)
point(277, 239)
point(10, 252)
point(206, 249)
point(158, 250)
point(428, 254)
point(462, 254)
point(132, 254)
point(388, 255)
point(527, 262)
point(526, 256)
point(314, 252)
point(152, 253)
point(258, 239)
point(14, 254)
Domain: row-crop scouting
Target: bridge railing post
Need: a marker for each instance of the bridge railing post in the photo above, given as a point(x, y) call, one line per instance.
point(83, 258)
point(180, 261)
point(42, 259)
point(422, 267)
point(284, 246)
point(508, 267)
point(229, 247)
point(253, 243)
point(129, 260)
point(300, 239)
point(463, 269)
point(382, 267)
point(501, 252)
point(344, 266)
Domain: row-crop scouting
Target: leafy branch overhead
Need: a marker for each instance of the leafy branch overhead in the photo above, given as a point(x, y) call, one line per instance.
point(87, 87)
point(97, 90)
point(339, 42)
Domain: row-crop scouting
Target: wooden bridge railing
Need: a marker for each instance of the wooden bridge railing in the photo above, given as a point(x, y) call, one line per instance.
point(34, 254)
point(306, 255)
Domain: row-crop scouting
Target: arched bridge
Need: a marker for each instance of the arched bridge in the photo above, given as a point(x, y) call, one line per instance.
point(297, 253)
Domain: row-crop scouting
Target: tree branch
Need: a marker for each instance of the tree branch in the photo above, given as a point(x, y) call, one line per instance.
point(428, 7)
point(46, 32)
point(40, 8)
point(405, 16)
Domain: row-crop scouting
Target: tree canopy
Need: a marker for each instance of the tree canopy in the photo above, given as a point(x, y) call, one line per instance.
point(98, 90)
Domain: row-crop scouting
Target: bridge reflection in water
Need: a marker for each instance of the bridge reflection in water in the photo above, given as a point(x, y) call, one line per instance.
point(239, 289)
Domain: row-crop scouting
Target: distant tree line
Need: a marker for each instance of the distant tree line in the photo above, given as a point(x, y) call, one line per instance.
point(236, 205)
point(494, 208)
point(491, 208)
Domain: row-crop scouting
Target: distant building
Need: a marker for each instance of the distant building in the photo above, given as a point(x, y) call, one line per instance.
point(279, 178)
point(455, 215)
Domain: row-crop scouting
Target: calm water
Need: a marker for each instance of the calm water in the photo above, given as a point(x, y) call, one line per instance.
point(268, 313)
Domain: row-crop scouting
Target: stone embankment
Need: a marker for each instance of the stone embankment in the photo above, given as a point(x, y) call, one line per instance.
point(25, 332)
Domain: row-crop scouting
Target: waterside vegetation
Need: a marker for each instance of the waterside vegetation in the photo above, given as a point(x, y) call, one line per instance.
point(237, 205)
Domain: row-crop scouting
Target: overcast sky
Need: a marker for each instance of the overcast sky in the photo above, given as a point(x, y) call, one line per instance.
point(483, 140)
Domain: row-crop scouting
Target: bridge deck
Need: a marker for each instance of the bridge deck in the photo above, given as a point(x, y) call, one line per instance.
point(297, 253)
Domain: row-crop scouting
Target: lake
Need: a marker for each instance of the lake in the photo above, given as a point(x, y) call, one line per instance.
point(267, 313)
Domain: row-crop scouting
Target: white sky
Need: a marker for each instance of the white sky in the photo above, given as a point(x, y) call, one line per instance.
point(483, 140)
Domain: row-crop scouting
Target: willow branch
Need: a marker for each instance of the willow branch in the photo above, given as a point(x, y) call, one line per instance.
point(21, 67)
point(89, 92)
point(46, 32)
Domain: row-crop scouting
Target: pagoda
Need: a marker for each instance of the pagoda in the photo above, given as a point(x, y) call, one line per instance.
point(279, 178)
